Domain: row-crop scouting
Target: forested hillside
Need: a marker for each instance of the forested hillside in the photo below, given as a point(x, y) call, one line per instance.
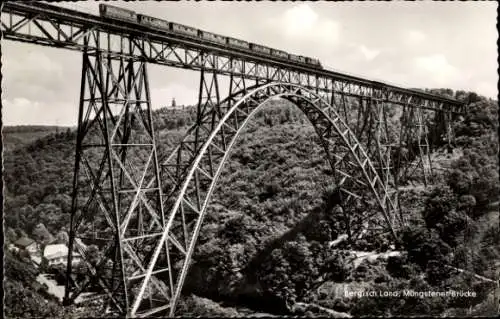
point(18, 136)
point(265, 243)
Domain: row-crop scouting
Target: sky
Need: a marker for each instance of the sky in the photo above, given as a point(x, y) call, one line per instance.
point(410, 44)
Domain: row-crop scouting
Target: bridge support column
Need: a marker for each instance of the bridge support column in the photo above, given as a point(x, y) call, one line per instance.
point(424, 158)
point(380, 145)
point(383, 145)
point(353, 224)
point(114, 211)
point(208, 98)
point(450, 137)
point(369, 122)
point(414, 154)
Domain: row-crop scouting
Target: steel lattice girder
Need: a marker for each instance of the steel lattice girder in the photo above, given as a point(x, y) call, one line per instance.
point(205, 165)
point(112, 205)
point(413, 156)
point(54, 26)
point(176, 165)
point(91, 34)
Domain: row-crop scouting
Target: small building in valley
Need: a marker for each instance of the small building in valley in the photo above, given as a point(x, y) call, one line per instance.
point(58, 255)
point(27, 244)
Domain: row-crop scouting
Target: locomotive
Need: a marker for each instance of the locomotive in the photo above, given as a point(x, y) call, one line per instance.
point(120, 14)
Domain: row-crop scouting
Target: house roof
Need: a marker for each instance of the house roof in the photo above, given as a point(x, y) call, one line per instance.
point(56, 251)
point(24, 242)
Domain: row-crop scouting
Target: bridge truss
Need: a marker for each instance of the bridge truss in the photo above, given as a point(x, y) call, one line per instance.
point(144, 210)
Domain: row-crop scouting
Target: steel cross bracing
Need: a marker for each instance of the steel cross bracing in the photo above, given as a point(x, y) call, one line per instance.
point(190, 176)
point(146, 230)
point(374, 139)
point(50, 25)
point(112, 206)
point(413, 155)
point(423, 158)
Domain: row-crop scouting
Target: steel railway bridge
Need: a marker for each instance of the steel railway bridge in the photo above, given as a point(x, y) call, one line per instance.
point(145, 209)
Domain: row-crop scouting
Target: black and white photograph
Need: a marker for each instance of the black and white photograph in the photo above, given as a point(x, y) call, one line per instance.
point(331, 159)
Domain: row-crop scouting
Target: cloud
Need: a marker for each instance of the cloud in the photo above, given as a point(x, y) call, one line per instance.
point(21, 111)
point(369, 54)
point(414, 37)
point(33, 74)
point(437, 67)
point(299, 19)
point(302, 25)
point(42, 75)
point(487, 89)
point(33, 61)
point(40, 85)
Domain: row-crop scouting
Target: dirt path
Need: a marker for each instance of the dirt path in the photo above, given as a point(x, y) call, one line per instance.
point(53, 288)
point(474, 274)
point(361, 256)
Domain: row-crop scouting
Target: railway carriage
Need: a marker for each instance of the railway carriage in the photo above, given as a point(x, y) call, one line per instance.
point(153, 22)
point(313, 62)
point(117, 13)
point(184, 29)
point(212, 37)
point(260, 48)
point(297, 58)
point(238, 43)
point(120, 14)
point(279, 53)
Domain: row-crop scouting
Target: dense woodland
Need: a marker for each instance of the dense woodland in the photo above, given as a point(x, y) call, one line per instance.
point(265, 240)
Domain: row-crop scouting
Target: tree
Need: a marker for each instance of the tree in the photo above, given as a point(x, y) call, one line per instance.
point(467, 203)
point(399, 267)
point(476, 174)
point(336, 266)
point(94, 254)
point(42, 235)
point(436, 273)
point(194, 306)
point(473, 98)
point(423, 245)
point(320, 232)
point(62, 237)
point(22, 302)
point(440, 202)
point(10, 235)
point(21, 233)
point(452, 226)
point(52, 216)
point(23, 296)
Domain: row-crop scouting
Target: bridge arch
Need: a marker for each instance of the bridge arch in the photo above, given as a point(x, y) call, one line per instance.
point(197, 170)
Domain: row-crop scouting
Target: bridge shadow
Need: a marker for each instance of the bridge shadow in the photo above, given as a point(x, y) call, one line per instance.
point(247, 292)
point(304, 226)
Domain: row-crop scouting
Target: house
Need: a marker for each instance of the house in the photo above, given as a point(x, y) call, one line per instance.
point(58, 255)
point(13, 248)
point(28, 244)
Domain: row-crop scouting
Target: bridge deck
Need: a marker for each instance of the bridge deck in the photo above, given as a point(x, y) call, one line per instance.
point(54, 26)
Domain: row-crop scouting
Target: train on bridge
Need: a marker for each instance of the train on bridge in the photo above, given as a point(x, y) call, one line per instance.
point(120, 14)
